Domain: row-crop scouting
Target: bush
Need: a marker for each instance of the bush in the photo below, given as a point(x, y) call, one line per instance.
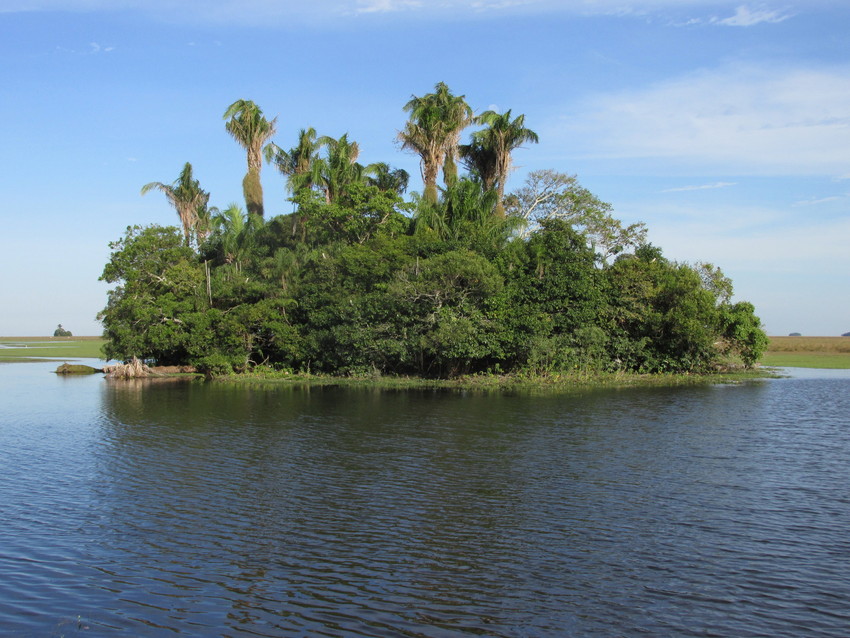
point(216, 365)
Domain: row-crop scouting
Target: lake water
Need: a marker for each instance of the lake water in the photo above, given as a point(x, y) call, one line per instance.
point(191, 509)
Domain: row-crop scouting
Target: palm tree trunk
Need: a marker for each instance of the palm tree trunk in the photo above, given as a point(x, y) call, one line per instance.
point(253, 191)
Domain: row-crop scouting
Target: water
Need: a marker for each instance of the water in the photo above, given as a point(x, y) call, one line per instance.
point(209, 510)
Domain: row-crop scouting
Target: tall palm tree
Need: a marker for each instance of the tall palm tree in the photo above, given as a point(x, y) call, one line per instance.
point(297, 163)
point(501, 137)
point(189, 200)
point(299, 166)
point(433, 131)
point(251, 130)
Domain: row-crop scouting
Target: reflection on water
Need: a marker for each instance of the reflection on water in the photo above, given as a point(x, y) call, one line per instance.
point(227, 510)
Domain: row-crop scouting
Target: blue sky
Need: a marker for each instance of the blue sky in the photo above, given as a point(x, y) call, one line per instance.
point(725, 126)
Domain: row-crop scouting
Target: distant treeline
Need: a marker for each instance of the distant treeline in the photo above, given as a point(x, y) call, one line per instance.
point(463, 278)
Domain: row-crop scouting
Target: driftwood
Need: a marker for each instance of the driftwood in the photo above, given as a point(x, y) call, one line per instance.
point(135, 369)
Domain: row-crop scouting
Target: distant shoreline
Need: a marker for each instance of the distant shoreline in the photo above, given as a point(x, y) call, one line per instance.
point(49, 338)
point(783, 352)
point(808, 352)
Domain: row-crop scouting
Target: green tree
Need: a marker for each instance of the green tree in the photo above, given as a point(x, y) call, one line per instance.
point(493, 146)
point(663, 317)
point(548, 194)
point(158, 297)
point(233, 235)
point(189, 200)
point(297, 164)
point(251, 130)
point(463, 217)
point(442, 305)
point(433, 131)
point(555, 290)
point(354, 217)
point(339, 167)
point(61, 332)
point(481, 162)
point(386, 178)
point(742, 332)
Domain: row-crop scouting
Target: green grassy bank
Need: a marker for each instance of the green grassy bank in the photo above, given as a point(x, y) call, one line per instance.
point(808, 352)
point(20, 349)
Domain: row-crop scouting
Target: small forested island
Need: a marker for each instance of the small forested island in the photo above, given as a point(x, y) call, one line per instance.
point(463, 278)
point(61, 332)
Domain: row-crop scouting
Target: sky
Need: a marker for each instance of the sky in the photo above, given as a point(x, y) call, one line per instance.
point(724, 126)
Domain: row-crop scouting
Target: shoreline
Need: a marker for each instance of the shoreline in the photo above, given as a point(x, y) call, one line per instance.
point(550, 383)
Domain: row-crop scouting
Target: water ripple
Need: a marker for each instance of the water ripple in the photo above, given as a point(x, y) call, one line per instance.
point(201, 510)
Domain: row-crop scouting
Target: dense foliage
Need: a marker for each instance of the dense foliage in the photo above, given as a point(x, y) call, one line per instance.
point(464, 279)
point(61, 332)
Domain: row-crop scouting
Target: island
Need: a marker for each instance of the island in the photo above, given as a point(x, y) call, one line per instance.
point(463, 278)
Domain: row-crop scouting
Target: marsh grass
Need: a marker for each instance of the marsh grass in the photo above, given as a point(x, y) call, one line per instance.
point(484, 383)
point(18, 349)
point(821, 345)
point(808, 352)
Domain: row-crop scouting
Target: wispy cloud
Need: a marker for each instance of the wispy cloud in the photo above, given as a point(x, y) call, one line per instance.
point(386, 6)
point(746, 16)
point(752, 237)
point(819, 200)
point(746, 120)
point(700, 187)
point(93, 49)
point(96, 48)
point(285, 12)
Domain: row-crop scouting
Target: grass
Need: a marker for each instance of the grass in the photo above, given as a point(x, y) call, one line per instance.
point(539, 384)
point(808, 352)
point(19, 349)
point(806, 360)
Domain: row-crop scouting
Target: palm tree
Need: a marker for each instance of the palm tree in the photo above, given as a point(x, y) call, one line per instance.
point(339, 168)
point(251, 130)
point(481, 162)
point(387, 178)
point(501, 137)
point(235, 232)
point(297, 163)
point(189, 200)
point(463, 214)
point(433, 132)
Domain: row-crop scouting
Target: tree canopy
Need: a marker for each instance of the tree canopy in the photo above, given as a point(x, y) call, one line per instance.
point(462, 278)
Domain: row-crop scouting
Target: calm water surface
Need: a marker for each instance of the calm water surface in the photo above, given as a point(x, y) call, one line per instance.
point(191, 509)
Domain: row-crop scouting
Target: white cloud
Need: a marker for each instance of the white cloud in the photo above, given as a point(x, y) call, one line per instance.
point(747, 17)
point(286, 12)
point(819, 200)
point(755, 238)
point(94, 48)
point(386, 6)
point(732, 120)
point(701, 187)
point(788, 268)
